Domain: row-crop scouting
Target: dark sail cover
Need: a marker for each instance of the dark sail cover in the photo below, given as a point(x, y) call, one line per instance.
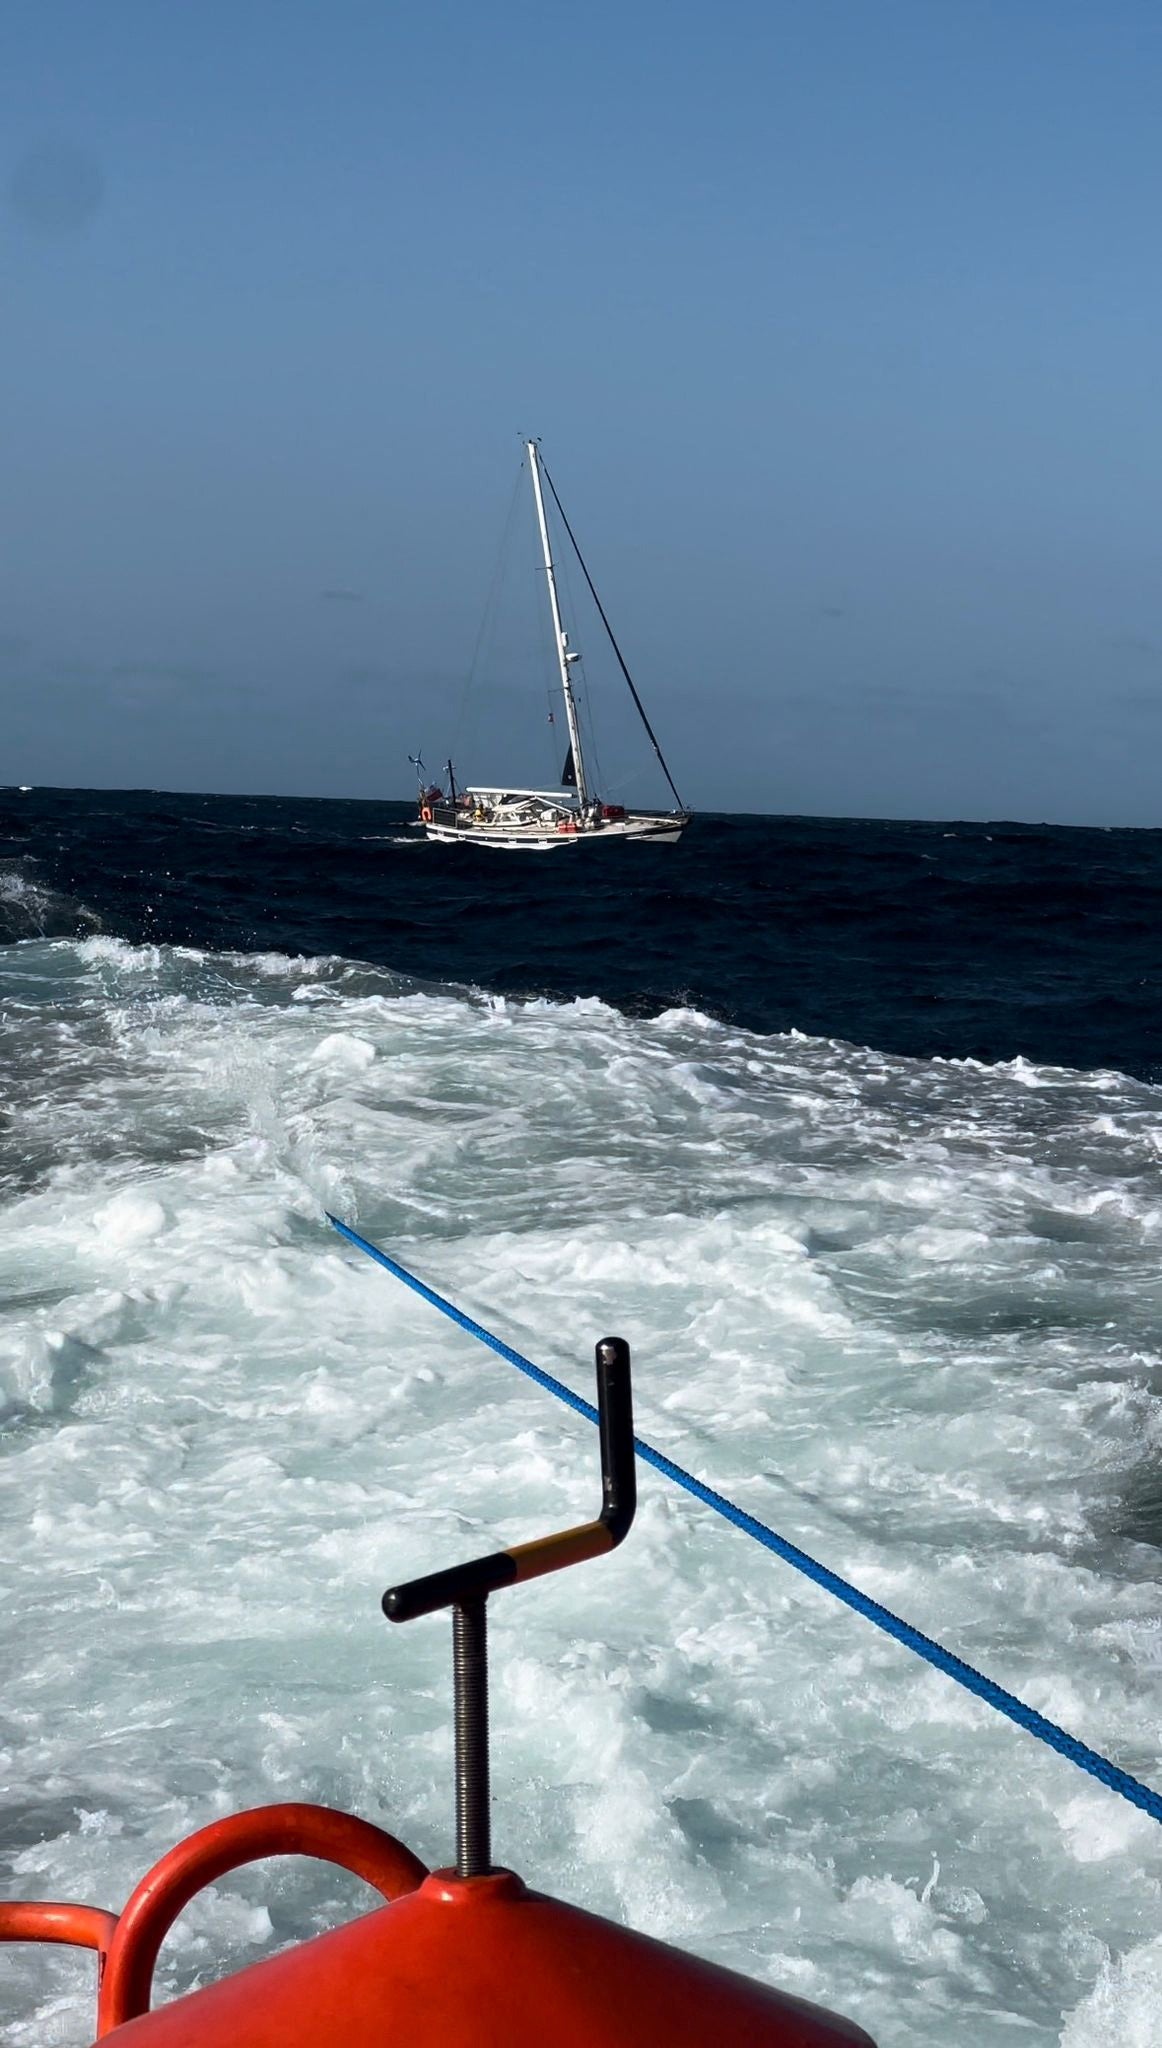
point(569, 772)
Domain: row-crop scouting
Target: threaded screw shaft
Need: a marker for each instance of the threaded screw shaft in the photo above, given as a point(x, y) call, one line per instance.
point(470, 1676)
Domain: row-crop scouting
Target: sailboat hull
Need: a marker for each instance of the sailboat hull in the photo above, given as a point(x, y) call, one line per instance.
point(660, 829)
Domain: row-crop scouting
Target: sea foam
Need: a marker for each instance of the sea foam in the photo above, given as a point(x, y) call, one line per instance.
point(906, 1312)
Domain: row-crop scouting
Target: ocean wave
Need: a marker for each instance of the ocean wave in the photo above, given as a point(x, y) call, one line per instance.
point(30, 909)
point(900, 1309)
point(987, 944)
point(906, 1309)
point(236, 974)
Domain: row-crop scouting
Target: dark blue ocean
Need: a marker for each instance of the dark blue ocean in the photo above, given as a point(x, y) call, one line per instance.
point(852, 1130)
point(986, 941)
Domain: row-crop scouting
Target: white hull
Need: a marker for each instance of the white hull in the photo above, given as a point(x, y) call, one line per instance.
point(659, 828)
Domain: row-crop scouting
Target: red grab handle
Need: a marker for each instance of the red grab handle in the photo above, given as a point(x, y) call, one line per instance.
point(291, 1830)
point(60, 1920)
point(56, 1920)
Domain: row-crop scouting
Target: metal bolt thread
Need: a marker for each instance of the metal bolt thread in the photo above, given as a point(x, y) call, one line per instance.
point(470, 1674)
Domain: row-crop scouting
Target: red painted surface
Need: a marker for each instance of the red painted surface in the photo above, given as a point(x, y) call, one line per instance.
point(483, 1963)
point(54, 1920)
point(290, 1830)
point(60, 1921)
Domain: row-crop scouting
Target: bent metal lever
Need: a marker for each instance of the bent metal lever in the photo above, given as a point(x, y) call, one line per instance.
point(465, 1589)
point(484, 1575)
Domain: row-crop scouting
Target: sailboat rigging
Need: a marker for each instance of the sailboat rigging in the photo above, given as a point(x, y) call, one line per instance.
point(574, 814)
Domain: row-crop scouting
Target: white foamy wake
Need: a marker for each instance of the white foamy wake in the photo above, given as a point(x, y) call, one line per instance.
point(908, 1313)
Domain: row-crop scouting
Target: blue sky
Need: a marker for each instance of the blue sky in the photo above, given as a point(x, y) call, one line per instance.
point(839, 322)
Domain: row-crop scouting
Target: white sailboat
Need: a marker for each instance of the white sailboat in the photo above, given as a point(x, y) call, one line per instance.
point(539, 819)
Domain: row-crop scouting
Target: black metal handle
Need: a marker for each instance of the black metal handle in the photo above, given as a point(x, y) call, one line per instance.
point(465, 1589)
point(484, 1575)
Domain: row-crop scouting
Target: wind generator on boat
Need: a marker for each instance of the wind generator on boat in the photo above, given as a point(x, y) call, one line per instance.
point(574, 815)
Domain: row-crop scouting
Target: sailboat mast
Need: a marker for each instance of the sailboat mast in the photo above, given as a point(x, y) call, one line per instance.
point(564, 656)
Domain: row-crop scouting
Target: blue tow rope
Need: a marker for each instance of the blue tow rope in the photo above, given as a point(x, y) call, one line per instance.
point(984, 1688)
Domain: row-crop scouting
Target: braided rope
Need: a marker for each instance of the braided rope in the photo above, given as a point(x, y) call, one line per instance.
point(933, 1653)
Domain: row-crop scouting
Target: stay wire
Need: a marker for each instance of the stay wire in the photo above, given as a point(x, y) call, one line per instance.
point(1007, 1703)
point(641, 709)
point(591, 749)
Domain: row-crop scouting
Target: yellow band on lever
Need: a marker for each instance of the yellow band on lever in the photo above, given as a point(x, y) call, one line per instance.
point(553, 1553)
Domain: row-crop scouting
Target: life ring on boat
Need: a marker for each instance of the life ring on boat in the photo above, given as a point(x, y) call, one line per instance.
point(426, 813)
point(566, 824)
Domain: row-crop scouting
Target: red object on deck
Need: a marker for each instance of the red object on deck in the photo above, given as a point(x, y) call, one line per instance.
point(484, 1963)
point(58, 1920)
point(288, 1830)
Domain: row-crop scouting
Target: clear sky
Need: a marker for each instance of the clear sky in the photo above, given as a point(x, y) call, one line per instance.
point(839, 321)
